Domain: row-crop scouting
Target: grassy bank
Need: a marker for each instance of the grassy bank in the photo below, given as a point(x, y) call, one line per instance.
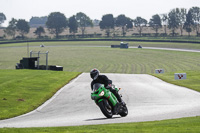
point(22, 91)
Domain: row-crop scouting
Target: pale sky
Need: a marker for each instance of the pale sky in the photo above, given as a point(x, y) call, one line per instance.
point(95, 9)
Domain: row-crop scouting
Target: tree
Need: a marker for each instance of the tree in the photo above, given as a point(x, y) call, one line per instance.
point(188, 23)
point(124, 22)
point(83, 22)
point(2, 18)
point(181, 13)
point(39, 31)
point(38, 21)
point(155, 23)
point(73, 25)
point(173, 21)
point(140, 23)
point(56, 23)
point(22, 27)
point(107, 23)
point(164, 19)
point(12, 28)
point(195, 11)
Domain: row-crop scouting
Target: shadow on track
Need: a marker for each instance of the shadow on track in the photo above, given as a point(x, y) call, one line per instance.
point(98, 119)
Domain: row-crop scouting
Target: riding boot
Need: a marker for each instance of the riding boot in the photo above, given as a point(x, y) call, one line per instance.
point(116, 94)
point(118, 97)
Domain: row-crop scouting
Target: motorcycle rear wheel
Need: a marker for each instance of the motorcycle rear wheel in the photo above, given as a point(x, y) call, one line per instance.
point(105, 109)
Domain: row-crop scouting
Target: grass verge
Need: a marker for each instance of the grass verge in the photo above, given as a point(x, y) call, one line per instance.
point(183, 125)
point(22, 91)
point(191, 82)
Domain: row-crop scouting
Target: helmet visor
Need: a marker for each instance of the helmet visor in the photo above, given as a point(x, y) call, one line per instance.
point(94, 75)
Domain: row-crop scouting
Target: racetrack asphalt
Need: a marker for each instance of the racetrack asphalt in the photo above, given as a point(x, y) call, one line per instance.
point(155, 48)
point(148, 99)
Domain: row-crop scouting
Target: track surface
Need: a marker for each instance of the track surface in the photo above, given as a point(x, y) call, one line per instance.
point(156, 48)
point(148, 99)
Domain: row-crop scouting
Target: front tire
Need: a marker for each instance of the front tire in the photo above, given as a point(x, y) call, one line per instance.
point(124, 112)
point(107, 111)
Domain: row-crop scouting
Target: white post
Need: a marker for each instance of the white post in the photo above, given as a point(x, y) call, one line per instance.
point(38, 59)
point(47, 60)
point(31, 53)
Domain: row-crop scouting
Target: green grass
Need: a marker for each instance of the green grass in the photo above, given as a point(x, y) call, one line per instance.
point(22, 91)
point(184, 125)
point(191, 82)
point(112, 60)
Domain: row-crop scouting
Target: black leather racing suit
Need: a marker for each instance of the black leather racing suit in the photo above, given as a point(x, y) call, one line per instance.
point(102, 79)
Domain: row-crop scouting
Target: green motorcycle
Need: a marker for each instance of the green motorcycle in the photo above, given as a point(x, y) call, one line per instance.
point(107, 101)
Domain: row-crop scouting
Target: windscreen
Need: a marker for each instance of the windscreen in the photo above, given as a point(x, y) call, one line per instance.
point(96, 86)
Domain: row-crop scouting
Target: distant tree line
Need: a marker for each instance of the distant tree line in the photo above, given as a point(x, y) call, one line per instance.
point(177, 18)
point(35, 21)
point(56, 23)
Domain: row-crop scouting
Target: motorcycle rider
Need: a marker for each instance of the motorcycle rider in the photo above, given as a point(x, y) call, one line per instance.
point(103, 79)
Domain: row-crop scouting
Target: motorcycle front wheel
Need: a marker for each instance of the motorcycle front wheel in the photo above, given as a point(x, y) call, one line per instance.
point(105, 108)
point(124, 112)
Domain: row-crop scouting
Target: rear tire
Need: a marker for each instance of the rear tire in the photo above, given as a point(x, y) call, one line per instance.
point(105, 109)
